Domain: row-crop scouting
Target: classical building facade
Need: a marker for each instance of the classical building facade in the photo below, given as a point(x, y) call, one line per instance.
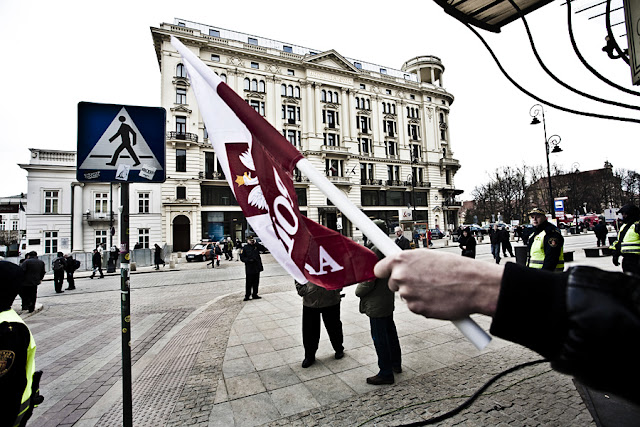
point(379, 134)
point(65, 215)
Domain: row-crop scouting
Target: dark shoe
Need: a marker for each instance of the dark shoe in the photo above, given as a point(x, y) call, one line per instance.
point(377, 380)
point(31, 310)
point(257, 297)
point(90, 277)
point(308, 362)
point(69, 289)
point(397, 369)
point(59, 292)
point(339, 354)
point(246, 299)
point(102, 277)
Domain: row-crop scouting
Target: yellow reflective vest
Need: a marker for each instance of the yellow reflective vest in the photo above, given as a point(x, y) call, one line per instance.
point(11, 316)
point(537, 255)
point(630, 242)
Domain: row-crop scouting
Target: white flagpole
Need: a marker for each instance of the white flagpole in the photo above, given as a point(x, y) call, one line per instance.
point(468, 327)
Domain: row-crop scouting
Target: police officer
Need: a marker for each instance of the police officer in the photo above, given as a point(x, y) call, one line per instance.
point(19, 383)
point(628, 242)
point(545, 243)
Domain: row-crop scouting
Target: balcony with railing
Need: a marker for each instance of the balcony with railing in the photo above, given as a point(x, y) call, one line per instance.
point(395, 183)
point(339, 180)
point(335, 149)
point(99, 217)
point(367, 181)
point(182, 136)
point(449, 162)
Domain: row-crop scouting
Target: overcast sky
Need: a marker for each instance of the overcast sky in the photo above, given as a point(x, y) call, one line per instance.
point(59, 53)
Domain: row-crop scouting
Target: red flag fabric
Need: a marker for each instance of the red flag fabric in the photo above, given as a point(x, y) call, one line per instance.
point(258, 163)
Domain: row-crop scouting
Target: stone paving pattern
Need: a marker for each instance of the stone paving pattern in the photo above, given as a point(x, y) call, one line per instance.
point(203, 357)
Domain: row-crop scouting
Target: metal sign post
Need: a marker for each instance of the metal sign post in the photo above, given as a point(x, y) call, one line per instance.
point(122, 143)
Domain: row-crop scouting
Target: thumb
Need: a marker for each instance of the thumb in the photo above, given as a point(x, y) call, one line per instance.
point(383, 268)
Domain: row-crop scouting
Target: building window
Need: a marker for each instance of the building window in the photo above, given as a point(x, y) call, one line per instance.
point(365, 146)
point(287, 49)
point(388, 91)
point(290, 72)
point(412, 96)
point(293, 137)
point(291, 114)
point(50, 242)
point(334, 167)
point(14, 225)
point(181, 71)
point(215, 58)
point(223, 77)
point(383, 71)
point(3, 225)
point(51, 201)
point(143, 238)
point(414, 132)
point(143, 202)
point(331, 139)
point(407, 77)
point(448, 177)
point(330, 118)
point(366, 172)
point(100, 202)
point(181, 160)
point(363, 123)
point(214, 33)
point(389, 127)
point(181, 95)
point(258, 106)
point(358, 65)
point(253, 41)
point(391, 148)
point(255, 65)
point(101, 238)
point(393, 173)
point(363, 86)
point(181, 125)
point(181, 193)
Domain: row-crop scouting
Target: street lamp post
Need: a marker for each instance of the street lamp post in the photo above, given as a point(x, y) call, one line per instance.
point(553, 140)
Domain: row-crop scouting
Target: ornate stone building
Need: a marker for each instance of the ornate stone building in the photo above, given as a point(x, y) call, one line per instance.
point(380, 134)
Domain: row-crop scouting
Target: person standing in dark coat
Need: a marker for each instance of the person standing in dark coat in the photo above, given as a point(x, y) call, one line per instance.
point(494, 238)
point(34, 271)
point(58, 265)
point(96, 261)
point(402, 241)
point(601, 232)
point(250, 255)
point(157, 256)
point(506, 244)
point(318, 301)
point(467, 243)
point(70, 266)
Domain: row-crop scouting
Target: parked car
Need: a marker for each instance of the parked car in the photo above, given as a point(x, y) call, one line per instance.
point(477, 230)
point(200, 252)
point(436, 233)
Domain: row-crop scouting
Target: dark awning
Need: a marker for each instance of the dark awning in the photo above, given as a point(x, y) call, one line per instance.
point(490, 15)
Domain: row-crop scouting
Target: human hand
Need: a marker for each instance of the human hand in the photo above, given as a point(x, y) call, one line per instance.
point(442, 285)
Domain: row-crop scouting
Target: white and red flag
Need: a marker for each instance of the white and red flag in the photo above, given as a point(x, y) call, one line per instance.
point(258, 163)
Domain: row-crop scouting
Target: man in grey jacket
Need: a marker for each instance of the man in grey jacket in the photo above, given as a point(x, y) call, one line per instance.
point(317, 301)
point(377, 302)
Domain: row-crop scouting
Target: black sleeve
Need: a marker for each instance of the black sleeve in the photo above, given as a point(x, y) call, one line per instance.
point(553, 243)
point(531, 309)
point(14, 341)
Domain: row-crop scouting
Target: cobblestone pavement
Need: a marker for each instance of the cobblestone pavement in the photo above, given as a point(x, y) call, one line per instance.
point(201, 356)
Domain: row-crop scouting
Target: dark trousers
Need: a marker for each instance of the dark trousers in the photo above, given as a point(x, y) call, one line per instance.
point(311, 328)
point(385, 340)
point(99, 269)
point(28, 294)
point(506, 247)
point(70, 280)
point(601, 239)
point(631, 263)
point(495, 251)
point(58, 280)
point(251, 288)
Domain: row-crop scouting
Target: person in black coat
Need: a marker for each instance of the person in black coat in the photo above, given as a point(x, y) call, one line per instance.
point(157, 256)
point(601, 232)
point(34, 271)
point(250, 255)
point(402, 241)
point(96, 260)
point(506, 244)
point(467, 243)
point(70, 266)
point(58, 266)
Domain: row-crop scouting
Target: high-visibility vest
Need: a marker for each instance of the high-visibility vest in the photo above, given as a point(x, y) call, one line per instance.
point(11, 316)
point(537, 255)
point(630, 242)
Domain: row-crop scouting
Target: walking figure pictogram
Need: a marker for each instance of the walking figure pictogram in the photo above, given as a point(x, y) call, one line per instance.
point(123, 133)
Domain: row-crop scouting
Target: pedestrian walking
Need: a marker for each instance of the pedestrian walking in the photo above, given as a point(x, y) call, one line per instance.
point(505, 242)
point(218, 250)
point(545, 249)
point(58, 266)
point(19, 381)
point(319, 302)
point(377, 302)
point(600, 230)
point(250, 255)
point(236, 249)
point(467, 243)
point(628, 242)
point(70, 266)
point(96, 261)
point(494, 238)
point(34, 271)
point(157, 256)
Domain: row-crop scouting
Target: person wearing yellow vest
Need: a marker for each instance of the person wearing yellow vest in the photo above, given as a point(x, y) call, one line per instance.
point(545, 244)
point(19, 381)
point(628, 242)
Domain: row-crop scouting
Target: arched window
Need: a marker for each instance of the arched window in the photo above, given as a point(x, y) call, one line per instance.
point(223, 77)
point(261, 87)
point(393, 108)
point(357, 102)
point(330, 98)
point(180, 71)
point(408, 112)
point(283, 89)
point(441, 117)
point(323, 95)
point(247, 84)
point(368, 105)
point(254, 85)
point(335, 97)
point(296, 92)
point(290, 91)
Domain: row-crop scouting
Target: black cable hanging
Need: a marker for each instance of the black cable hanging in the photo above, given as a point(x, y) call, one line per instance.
point(537, 98)
point(585, 63)
point(554, 77)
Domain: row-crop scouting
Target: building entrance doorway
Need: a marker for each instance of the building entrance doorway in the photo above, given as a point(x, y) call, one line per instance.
point(181, 234)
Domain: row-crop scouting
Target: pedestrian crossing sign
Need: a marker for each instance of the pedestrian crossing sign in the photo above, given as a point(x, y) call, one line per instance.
point(120, 143)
